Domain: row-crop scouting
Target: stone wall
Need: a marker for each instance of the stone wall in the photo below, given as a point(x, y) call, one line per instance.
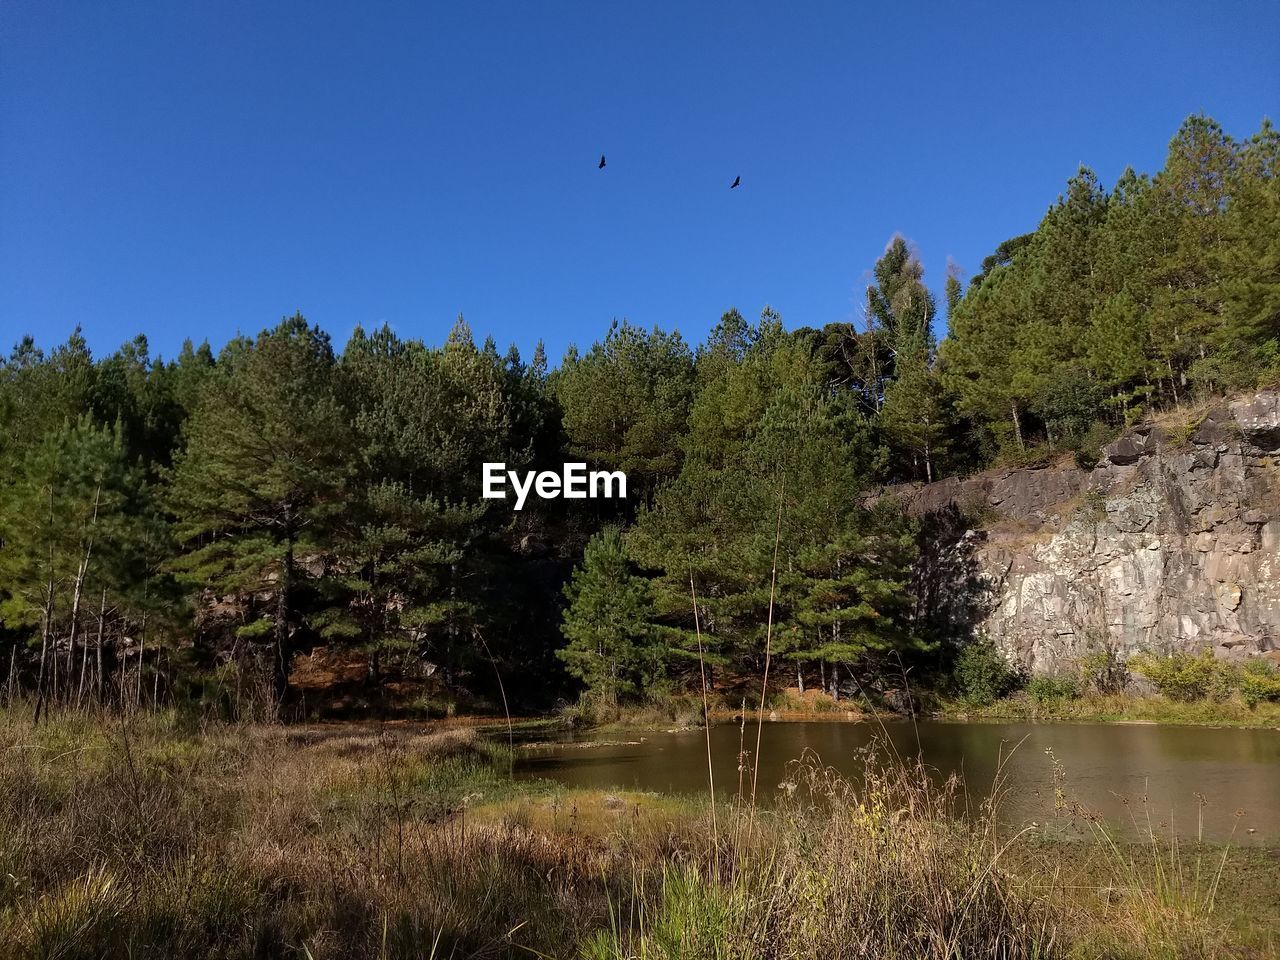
point(1172, 542)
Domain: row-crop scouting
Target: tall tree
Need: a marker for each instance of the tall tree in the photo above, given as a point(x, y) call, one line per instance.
point(75, 522)
point(264, 478)
point(624, 400)
point(610, 643)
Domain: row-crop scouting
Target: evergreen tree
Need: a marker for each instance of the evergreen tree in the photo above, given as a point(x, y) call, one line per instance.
point(76, 522)
point(1249, 336)
point(624, 401)
point(771, 457)
point(899, 302)
point(422, 427)
point(915, 418)
point(610, 644)
point(263, 479)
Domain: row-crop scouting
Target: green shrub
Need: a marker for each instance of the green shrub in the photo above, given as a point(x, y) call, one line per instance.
point(1088, 449)
point(982, 674)
point(1053, 689)
point(1259, 681)
point(1186, 677)
point(1103, 672)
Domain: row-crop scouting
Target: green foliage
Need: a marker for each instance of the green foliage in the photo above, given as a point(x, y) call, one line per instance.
point(261, 482)
point(611, 645)
point(1087, 449)
point(1044, 689)
point(982, 674)
point(1186, 677)
point(1163, 287)
point(1103, 671)
point(416, 536)
point(1259, 682)
point(771, 460)
point(625, 402)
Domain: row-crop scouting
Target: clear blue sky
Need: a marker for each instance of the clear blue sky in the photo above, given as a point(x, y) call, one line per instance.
point(195, 169)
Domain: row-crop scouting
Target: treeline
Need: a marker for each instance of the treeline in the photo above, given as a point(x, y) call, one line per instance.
point(1119, 303)
point(184, 528)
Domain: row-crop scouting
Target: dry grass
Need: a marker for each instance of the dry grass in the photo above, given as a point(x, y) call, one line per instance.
point(149, 839)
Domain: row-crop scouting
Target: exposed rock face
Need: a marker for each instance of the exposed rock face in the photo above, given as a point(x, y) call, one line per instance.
point(1167, 544)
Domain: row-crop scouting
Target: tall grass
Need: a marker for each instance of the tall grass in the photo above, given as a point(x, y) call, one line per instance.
point(1162, 896)
point(149, 838)
point(882, 870)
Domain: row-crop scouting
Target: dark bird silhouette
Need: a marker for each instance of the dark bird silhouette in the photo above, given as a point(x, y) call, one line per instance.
point(736, 181)
point(601, 167)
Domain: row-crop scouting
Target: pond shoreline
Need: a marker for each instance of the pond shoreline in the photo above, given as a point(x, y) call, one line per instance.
point(1194, 779)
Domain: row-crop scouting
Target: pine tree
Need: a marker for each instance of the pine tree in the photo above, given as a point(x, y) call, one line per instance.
point(75, 522)
point(900, 303)
point(414, 517)
point(1250, 331)
point(624, 400)
point(264, 478)
point(915, 419)
point(610, 643)
point(771, 453)
point(954, 289)
point(1190, 198)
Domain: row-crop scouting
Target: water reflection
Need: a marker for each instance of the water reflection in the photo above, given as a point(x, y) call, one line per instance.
point(1126, 773)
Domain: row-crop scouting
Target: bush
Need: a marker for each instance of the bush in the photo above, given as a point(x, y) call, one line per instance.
point(1088, 449)
point(1186, 677)
point(1053, 689)
point(982, 674)
point(1259, 681)
point(1104, 672)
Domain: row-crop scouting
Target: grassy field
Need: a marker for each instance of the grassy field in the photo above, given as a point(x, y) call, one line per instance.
point(685, 711)
point(157, 838)
point(1123, 708)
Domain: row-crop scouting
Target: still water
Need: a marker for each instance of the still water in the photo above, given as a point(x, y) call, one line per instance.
point(1182, 772)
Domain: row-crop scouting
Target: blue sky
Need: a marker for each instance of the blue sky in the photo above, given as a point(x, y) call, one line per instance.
point(197, 169)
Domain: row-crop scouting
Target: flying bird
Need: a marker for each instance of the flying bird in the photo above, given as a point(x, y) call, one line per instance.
point(601, 167)
point(736, 180)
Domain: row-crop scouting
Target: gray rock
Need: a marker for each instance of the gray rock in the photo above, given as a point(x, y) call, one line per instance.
point(1258, 419)
point(1175, 546)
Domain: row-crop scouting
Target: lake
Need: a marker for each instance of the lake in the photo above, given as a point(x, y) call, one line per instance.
point(1182, 772)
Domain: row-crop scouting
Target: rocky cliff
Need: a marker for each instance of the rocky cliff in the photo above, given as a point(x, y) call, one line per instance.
point(1171, 542)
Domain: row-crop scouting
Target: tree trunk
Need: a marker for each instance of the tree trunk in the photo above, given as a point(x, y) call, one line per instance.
point(102, 620)
point(46, 617)
point(1017, 424)
point(142, 649)
point(282, 623)
point(122, 684)
point(81, 572)
point(75, 619)
point(84, 666)
point(800, 677)
point(928, 450)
